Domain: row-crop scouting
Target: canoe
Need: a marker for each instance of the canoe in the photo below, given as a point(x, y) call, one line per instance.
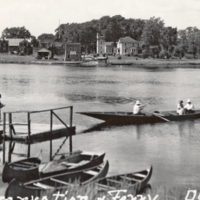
point(57, 182)
point(130, 118)
point(22, 170)
point(70, 162)
point(132, 181)
point(77, 161)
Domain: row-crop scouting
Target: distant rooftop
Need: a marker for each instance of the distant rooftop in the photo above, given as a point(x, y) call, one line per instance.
point(127, 39)
point(14, 41)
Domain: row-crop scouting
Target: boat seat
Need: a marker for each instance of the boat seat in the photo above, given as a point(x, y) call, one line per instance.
point(44, 186)
point(59, 181)
point(71, 165)
point(140, 175)
point(90, 172)
point(128, 178)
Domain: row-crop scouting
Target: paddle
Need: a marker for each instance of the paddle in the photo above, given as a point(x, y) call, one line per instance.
point(157, 115)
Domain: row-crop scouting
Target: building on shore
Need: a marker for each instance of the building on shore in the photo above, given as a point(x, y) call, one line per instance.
point(13, 44)
point(104, 47)
point(46, 43)
point(72, 51)
point(127, 45)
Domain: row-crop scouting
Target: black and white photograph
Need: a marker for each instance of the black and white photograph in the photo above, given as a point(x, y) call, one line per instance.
point(100, 100)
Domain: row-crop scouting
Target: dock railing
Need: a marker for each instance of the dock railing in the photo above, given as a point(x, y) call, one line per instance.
point(28, 124)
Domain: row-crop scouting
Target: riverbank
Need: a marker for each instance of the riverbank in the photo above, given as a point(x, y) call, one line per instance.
point(125, 60)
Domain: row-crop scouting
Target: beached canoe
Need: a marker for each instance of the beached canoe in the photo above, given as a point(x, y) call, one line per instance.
point(132, 181)
point(130, 118)
point(77, 161)
point(70, 162)
point(22, 170)
point(57, 182)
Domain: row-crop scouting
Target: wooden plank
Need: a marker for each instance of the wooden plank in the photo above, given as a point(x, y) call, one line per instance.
point(62, 182)
point(20, 165)
point(44, 186)
point(114, 181)
point(90, 172)
point(139, 175)
point(128, 178)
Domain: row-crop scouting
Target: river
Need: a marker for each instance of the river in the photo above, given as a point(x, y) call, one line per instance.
point(171, 148)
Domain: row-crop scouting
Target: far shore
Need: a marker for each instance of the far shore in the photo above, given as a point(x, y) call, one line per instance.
point(125, 60)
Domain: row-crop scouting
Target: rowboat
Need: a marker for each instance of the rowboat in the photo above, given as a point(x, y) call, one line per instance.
point(70, 162)
point(22, 170)
point(57, 182)
point(77, 161)
point(132, 181)
point(130, 118)
point(89, 63)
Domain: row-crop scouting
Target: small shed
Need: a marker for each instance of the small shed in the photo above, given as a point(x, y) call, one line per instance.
point(44, 53)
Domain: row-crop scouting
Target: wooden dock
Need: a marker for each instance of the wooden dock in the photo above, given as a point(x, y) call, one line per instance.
point(27, 134)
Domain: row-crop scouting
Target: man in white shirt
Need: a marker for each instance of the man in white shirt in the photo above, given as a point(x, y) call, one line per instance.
point(137, 108)
point(189, 107)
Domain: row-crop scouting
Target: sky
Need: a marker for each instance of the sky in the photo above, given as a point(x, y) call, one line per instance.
point(44, 16)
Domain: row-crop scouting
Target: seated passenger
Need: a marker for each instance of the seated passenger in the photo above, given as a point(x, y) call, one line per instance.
point(137, 108)
point(189, 107)
point(180, 108)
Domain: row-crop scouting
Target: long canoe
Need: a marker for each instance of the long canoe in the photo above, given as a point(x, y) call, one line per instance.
point(77, 161)
point(22, 170)
point(132, 181)
point(57, 182)
point(130, 118)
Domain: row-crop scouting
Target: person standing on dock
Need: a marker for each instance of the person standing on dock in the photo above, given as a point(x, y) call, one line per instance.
point(189, 107)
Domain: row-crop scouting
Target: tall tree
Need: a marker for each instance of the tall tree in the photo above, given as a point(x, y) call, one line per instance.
point(16, 32)
point(152, 31)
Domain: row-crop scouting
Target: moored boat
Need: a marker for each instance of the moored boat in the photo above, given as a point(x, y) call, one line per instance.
point(31, 169)
point(133, 181)
point(57, 182)
point(22, 170)
point(130, 118)
point(77, 161)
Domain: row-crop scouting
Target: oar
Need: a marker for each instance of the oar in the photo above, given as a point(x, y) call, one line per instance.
point(157, 115)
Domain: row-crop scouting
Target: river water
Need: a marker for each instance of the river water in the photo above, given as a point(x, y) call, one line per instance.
point(172, 148)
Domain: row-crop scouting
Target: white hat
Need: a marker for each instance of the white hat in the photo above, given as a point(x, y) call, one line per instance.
point(188, 101)
point(137, 102)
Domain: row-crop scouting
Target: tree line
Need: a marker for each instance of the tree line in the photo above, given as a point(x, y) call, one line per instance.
point(151, 32)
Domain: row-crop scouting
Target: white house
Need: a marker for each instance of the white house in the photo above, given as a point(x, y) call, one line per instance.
point(127, 45)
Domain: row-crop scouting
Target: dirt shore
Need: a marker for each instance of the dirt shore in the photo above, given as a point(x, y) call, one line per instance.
point(125, 60)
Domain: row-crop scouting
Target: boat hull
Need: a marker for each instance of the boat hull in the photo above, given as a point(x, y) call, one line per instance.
point(23, 174)
point(129, 118)
point(93, 162)
point(72, 179)
point(134, 182)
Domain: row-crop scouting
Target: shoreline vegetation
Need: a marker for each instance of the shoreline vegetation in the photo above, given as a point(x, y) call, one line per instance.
point(125, 60)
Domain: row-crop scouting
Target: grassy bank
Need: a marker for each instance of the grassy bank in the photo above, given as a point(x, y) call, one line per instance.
point(112, 60)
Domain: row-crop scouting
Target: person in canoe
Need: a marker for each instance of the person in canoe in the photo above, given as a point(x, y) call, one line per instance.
point(137, 108)
point(189, 107)
point(180, 108)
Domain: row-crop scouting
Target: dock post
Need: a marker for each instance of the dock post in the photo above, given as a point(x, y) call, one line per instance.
point(70, 137)
point(29, 127)
point(51, 128)
point(10, 125)
point(4, 125)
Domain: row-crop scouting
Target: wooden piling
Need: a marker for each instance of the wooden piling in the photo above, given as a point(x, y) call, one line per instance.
point(70, 124)
point(10, 125)
point(51, 128)
point(29, 126)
